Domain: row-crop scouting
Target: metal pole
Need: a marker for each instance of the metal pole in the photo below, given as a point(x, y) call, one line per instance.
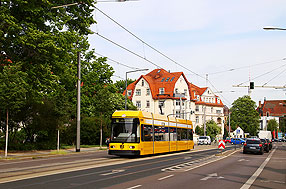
point(58, 143)
point(78, 104)
point(6, 142)
point(126, 91)
point(204, 120)
point(229, 123)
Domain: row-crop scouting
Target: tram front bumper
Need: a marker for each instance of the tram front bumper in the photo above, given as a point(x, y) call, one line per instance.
point(124, 152)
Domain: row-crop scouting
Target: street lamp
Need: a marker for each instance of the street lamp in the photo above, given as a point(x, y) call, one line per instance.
point(273, 28)
point(126, 84)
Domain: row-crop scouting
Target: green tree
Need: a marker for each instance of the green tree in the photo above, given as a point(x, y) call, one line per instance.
point(121, 85)
point(244, 115)
point(212, 129)
point(199, 130)
point(272, 125)
point(282, 124)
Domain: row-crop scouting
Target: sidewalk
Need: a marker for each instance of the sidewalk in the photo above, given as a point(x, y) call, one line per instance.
point(45, 153)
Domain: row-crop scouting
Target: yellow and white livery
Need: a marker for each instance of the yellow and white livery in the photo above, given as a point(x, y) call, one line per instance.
point(143, 133)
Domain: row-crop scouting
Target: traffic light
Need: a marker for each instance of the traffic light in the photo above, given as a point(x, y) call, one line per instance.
point(251, 85)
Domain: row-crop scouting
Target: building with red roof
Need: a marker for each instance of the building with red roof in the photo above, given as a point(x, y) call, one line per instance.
point(271, 109)
point(170, 93)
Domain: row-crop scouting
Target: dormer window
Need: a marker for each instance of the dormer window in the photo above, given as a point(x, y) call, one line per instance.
point(172, 79)
point(163, 79)
point(129, 92)
point(167, 79)
point(161, 90)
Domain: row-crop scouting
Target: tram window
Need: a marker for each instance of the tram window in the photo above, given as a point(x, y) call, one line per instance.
point(173, 134)
point(182, 134)
point(190, 134)
point(147, 133)
point(161, 133)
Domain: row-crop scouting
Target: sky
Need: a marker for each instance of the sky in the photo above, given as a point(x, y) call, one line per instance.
point(222, 39)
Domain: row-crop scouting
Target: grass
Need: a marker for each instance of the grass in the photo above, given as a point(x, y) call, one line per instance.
point(82, 146)
point(60, 152)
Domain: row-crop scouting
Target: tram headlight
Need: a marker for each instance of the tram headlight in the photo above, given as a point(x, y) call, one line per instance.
point(132, 147)
point(112, 146)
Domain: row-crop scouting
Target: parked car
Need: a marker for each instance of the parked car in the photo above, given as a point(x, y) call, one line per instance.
point(204, 140)
point(253, 145)
point(265, 144)
point(237, 141)
point(227, 140)
point(269, 143)
point(275, 140)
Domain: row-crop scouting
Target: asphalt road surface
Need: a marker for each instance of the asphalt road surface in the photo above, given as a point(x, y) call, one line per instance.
point(202, 169)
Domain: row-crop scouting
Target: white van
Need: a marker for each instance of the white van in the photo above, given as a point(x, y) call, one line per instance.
point(204, 140)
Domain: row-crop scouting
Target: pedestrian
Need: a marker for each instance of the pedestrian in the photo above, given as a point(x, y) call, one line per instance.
point(107, 141)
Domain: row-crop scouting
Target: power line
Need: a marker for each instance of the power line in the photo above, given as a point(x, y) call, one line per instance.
point(242, 67)
point(147, 43)
point(134, 68)
point(128, 50)
point(263, 74)
point(274, 77)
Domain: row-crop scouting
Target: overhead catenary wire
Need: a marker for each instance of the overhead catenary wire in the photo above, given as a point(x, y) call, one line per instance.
point(144, 58)
point(263, 74)
point(274, 77)
point(105, 38)
point(147, 43)
point(134, 68)
point(242, 67)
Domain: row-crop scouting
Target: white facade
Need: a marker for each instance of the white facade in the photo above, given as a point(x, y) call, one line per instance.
point(208, 111)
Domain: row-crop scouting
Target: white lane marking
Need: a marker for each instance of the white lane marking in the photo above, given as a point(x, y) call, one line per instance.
point(112, 172)
point(213, 175)
point(134, 187)
point(243, 160)
point(165, 177)
point(251, 180)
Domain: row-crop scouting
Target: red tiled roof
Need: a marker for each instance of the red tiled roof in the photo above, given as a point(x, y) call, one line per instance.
point(274, 107)
point(157, 79)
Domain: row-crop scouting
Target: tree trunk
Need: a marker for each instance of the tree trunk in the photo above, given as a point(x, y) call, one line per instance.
point(100, 130)
point(6, 142)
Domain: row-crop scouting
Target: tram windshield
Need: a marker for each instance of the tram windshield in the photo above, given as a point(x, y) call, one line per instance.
point(125, 130)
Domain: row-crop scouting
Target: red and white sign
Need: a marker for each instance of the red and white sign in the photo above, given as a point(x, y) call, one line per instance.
point(221, 144)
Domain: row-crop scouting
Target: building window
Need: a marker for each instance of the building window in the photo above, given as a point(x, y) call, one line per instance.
point(172, 78)
point(163, 79)
point(142, 82)
point(161, 103)
point(176, 91)
point(138, 104)
point(197, 119)
point(167, 79)
point(218, 111)
point(197, 108)
point(178, 113)
point(161, 90)
point(138, 92)
point(212, 109)
point(147, 103)
point(185, 92)
point(129, 92)
point(178, 102)
point(147, 92)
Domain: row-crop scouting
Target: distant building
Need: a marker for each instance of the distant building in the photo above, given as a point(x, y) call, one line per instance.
point(167, 93)
point(271, 109)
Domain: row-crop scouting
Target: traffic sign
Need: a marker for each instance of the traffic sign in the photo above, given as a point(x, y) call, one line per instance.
point(221, 144)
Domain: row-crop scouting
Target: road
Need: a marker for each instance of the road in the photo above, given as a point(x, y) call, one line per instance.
point(202, 169)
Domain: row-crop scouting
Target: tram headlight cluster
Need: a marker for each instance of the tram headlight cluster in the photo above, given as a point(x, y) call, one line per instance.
point(112, 146)
point(132, 147)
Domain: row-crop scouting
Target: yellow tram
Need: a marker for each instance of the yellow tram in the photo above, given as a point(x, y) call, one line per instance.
point(143, 133)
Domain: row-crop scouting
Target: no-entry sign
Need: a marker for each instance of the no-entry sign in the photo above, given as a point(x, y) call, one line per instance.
point(221, 144)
